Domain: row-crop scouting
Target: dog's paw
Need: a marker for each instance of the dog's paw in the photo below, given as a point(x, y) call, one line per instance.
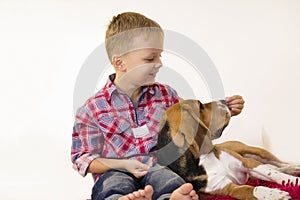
point(291, 169)
point(261, 193)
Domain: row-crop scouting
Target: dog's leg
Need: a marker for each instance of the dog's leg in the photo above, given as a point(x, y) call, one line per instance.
point(244, 191)
point(262, 156)
point(247, 192)
point(265, 172)
point(266, 193)
point(256, 153)
point(266, 157)
point(292, 169)
point(237, 191)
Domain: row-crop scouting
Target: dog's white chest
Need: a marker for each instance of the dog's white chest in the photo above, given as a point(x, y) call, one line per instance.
point(222, 171)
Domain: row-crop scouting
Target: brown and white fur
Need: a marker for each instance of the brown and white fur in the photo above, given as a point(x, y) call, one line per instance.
point(186, 134)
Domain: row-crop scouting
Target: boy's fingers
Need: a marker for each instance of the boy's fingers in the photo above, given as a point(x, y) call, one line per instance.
point(236, 102)
point(139, 174)
point(235, 111)
point(239, 105)
point(150, 162)
point(233, 98)
point(227, 99)
point(142, 167)
point(145, 167)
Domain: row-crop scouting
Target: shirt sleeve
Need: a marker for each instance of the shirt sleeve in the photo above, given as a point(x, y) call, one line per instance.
point(87, 140)
point(174, 97)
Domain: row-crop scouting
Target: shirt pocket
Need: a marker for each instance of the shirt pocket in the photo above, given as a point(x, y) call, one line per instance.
point(117, 134)
point(114, 126)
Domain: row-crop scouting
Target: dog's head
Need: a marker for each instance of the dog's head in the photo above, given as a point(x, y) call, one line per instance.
point(194, 125)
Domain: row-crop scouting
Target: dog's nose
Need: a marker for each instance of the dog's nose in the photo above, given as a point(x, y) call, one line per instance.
point(223, 105)
point(223, 102)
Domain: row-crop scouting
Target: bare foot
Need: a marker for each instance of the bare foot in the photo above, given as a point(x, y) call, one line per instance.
point(184, 192)
point(145, 194)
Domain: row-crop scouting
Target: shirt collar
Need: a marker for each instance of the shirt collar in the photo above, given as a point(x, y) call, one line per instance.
point(110, 87)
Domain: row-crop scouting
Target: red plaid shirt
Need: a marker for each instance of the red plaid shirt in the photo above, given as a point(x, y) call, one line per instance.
point(103, 125)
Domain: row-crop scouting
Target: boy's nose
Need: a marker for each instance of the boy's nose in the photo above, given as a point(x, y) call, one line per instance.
point(159, 61)
point(157, 65)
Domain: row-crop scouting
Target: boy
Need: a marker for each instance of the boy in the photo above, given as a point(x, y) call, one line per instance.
point(116, 129)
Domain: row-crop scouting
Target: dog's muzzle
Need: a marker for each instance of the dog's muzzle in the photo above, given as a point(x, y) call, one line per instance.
point(223, 105)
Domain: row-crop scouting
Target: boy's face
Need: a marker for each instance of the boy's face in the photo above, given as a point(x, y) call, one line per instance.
point(140, 67)
point(139, 62)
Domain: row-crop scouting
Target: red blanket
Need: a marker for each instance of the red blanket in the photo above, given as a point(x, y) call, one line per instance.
point(294, 190)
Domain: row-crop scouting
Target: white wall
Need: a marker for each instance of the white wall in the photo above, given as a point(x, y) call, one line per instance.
point(255, 46)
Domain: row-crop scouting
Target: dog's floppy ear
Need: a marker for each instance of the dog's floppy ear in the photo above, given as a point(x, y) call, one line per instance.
point(176, 136)
point(189, 129)
point(195, 115)
point(178, 139)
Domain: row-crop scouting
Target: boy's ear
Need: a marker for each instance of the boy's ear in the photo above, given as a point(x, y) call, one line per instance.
point(118, 62)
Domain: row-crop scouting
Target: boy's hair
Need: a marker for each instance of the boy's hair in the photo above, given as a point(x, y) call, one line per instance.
point(123, 28)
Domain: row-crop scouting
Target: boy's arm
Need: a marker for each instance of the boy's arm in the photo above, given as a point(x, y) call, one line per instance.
point(101, 165)
point(87, 145)
point(87, 140)
point(235, 103)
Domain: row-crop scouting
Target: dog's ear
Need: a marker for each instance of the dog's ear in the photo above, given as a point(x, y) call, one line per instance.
point(195, 113)
point(189, 128)
point(176, 136)
point(189, 125)
point(172, 131)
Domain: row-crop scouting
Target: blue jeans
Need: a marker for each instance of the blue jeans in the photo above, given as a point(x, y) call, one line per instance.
point(114, 183)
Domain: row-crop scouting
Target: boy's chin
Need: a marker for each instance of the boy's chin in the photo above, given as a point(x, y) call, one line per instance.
point(149, 83)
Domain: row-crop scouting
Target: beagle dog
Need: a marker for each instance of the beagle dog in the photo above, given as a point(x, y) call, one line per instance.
point(185, 146)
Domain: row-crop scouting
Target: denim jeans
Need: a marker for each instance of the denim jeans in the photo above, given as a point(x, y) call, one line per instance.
point(114, 183)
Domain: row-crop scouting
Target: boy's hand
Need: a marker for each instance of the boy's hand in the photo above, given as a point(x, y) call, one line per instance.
point(235, 103)
point(137, 168)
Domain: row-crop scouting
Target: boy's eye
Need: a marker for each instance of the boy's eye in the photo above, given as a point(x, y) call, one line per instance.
point(150, 59)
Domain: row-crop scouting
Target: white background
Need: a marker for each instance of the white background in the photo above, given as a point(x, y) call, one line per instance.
point(254, 44)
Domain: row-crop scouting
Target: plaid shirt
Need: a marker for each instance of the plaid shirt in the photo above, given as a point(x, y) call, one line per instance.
point(103, 125)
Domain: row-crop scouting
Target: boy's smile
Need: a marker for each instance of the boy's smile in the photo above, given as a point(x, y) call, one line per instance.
point(138, 68)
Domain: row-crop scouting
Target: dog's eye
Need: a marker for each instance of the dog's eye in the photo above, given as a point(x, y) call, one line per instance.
point(201, 106)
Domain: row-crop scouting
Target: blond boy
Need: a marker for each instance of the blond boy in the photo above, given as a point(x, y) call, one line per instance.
point(116, 130)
